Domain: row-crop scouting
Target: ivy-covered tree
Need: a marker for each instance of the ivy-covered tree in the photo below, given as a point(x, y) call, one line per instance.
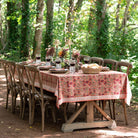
point(102, 28)
point(49, 24)
point(38, 28)
point(12, 39)
point(24, 43)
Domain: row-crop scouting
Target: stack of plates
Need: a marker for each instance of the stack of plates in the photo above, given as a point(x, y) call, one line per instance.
point(58, 70)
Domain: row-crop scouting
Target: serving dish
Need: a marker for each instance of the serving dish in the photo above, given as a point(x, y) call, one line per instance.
point(58, 70)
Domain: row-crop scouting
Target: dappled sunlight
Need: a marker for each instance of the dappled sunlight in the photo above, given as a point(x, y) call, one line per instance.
point(118, 133)
point(1, 99)
point(51, 135)
point(2, 77)
point(4, 85)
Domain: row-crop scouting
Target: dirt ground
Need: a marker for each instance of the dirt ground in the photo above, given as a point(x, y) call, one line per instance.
point(11, 126)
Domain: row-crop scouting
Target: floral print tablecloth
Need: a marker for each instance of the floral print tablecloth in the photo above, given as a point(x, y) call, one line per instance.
point(86, 87)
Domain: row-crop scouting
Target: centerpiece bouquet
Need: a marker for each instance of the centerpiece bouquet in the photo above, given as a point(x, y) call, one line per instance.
point(76, 54)
point(50, 51)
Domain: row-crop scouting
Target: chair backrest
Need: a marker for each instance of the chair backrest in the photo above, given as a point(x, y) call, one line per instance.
point(20, 68)
point(124, 64)
point(82, 57)
point(1, 62)
point(5, 67)
point(97, 60)
point(110, 63)
point(9, 67)
point(33, 76)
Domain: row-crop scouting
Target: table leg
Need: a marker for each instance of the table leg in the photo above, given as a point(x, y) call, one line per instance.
point(90, 113)
point(69, 126)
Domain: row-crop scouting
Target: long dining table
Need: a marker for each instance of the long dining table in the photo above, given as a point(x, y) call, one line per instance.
point(87, 88)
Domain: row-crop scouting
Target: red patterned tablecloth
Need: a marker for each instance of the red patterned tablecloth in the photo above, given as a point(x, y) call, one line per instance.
point(86, 87)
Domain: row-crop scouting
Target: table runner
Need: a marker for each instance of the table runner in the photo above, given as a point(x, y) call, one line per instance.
point(79, 87)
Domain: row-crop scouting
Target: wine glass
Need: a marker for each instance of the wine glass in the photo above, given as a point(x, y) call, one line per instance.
point(48, 61)
point(38, 58)
point(58, 63)
point(86, 59)
point(72, 66)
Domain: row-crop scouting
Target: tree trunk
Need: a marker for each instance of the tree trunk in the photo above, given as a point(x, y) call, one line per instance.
point(24, 47)
point(102, 28)
point(49, 24)
point(38, 29)
point(1, 31)
point(117, 15)
point(91, 19)
point(123, 29)
point(12, 26)
point(70, 17)
point(124, 21)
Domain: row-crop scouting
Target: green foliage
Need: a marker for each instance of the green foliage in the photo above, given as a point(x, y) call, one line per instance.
point(24, 44)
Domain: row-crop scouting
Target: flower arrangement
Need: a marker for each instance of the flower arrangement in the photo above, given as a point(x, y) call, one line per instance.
point(50, 51)
point(75, 53)
point(63, 53)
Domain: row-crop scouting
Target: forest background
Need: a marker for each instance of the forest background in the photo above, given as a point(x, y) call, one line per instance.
point(101, 28)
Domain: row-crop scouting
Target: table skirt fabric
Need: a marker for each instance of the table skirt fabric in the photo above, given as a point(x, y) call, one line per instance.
point(79, 87)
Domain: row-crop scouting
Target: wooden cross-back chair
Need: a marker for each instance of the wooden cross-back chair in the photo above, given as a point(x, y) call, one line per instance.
point(12, 83)
point(24, 91)
point(97, 60)
point(82, 57)
point(110, 63)
point(33, 75)
point(128, 67)
point(124, 64)
point(5, 66)
point(1, 62)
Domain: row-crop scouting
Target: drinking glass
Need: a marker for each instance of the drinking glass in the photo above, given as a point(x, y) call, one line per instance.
point(72, 66)
point(86, 59)
point(48, 61)
point(58, 63)
point(38, 58)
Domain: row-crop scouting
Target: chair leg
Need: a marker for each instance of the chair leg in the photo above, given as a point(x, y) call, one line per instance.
point(12, 105)
point(109, 102)
point(43, 117)
point(23, 110)
point(65, 112)
point(125, 114)
point(103, 107)
point(33, 111)
point(7, 98)
point(113, 109)
point(76, 106)
point(53, 113)
point(30, 110)
point(21, 105)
